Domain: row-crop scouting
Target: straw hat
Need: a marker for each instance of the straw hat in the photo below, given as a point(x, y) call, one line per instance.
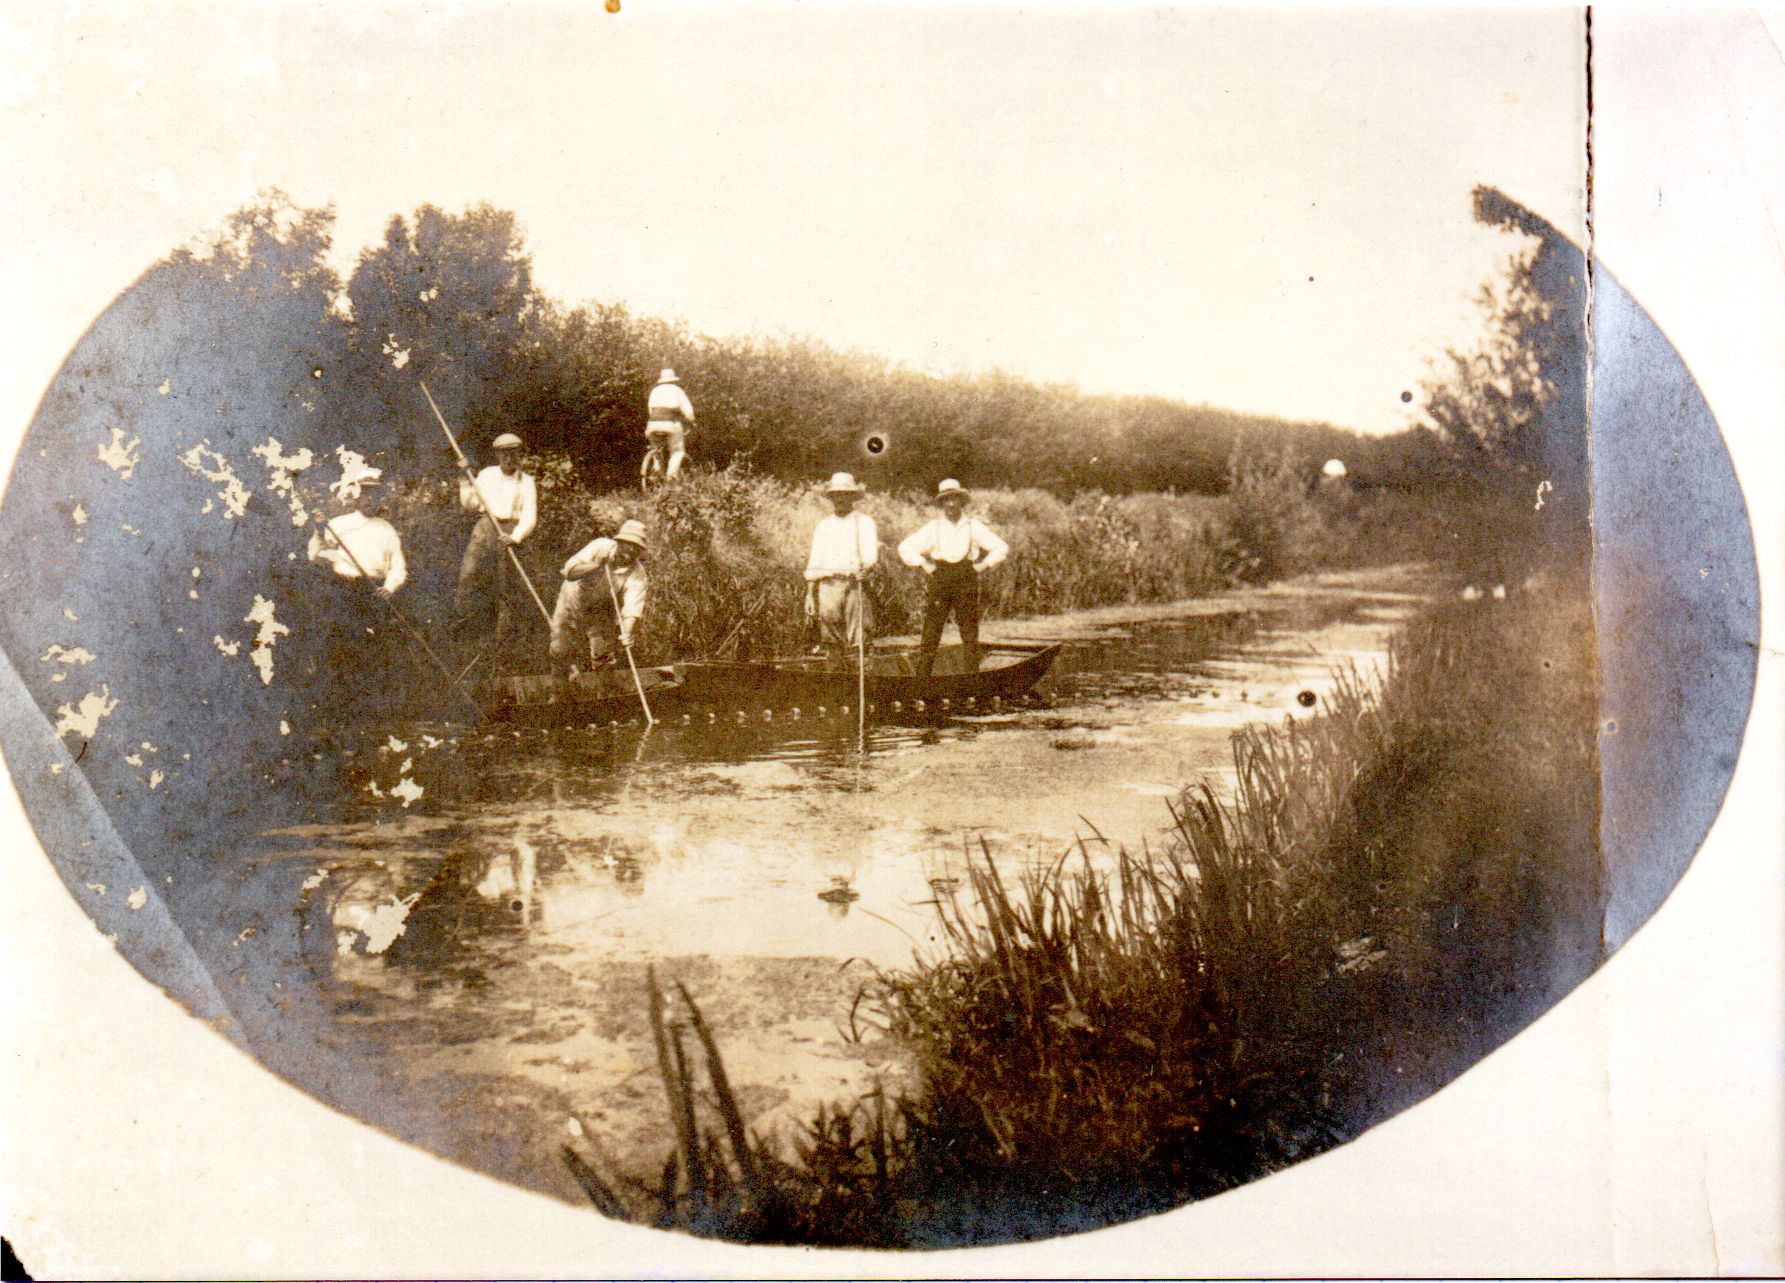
point(356, 474)
point(632, 532)
point(667, 375)
point(951, 487)
point(507, 441)
point(843, 483)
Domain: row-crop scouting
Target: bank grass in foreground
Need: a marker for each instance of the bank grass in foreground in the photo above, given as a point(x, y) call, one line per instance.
point(1393, 889)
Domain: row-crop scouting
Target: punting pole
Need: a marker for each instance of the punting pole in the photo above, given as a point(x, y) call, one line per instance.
point(465, 467)
point(637, 685)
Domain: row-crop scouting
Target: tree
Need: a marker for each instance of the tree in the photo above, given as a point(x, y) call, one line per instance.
point(445, 299)
point(1512, 412)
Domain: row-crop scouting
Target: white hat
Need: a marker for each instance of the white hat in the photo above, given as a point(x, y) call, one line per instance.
point(356, 473)
point(950, 487)
point(632, 532)
point(667, 375)
point(843, 483)
point(507, 441)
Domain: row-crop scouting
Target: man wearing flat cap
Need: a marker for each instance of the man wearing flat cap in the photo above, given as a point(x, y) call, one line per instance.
point(601, 599)
point(505, 504)
point(953, 551)
point(845, 546)
point(348, 630)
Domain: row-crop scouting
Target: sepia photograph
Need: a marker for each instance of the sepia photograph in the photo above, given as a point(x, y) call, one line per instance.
point(861, 626)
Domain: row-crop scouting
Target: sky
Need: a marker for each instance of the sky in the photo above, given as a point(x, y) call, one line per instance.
point(1267, 210)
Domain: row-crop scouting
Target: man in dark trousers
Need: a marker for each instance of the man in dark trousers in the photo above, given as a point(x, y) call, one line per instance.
point(953, 550)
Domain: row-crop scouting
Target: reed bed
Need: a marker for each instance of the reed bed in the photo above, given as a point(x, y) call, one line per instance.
point(1392, 889)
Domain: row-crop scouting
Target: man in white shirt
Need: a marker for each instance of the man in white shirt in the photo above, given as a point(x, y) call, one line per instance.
point(602, 571)
point(347, 631)
point(669, 414)
point(954, 550)
point(510, 497)
point(845, 546)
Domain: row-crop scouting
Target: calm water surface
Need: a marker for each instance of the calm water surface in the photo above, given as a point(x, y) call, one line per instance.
point(474, 924)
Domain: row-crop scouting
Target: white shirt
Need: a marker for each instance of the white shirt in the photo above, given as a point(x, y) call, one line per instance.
point(668, 402)
point(630, 582)
point(372, 542)
point(509, 498)
point(943, 541)
point(843, 546)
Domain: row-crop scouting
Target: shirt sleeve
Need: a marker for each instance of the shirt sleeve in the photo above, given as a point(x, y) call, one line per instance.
point(316, 554)
point(996, 550)
point(587, 555)
point(632, 598)
point(468, 496)
point(814, 561)
point(916, 548)
point(398, 574)
point(528, 517)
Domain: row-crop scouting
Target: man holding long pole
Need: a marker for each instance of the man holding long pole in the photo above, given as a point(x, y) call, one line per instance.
point(606, 613)
point(505, 502)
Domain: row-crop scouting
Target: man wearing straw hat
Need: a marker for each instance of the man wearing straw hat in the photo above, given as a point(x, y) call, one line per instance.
point(845, 546)
point(510, 497)
point(602, 572)
point(669, 414)
point(953, 551)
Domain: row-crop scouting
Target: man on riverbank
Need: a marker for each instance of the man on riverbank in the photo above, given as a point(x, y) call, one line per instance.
point(953, 551)
point(845, 546)
point(604, 575)
point(506, 505)
point(669, 414)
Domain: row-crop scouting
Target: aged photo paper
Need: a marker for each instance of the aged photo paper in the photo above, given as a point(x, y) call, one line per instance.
point(1048, 640)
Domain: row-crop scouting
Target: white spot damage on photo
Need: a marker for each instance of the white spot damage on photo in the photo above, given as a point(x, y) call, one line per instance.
point(408, 790)
point(155, 779)
point(121, 456)
point(281, 468)
point(384, 924)
point(166, 386)
point(208, 463)
point(79, 515)
point(229, 648)
point(83, 719)
point(284, 727)
point(268, 633)
point(137, 898)
point(59, 653)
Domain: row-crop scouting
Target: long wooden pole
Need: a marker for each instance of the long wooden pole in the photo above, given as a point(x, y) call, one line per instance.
point(861, 640)
point(496, 526)
point(402, 620)
point(626, 646)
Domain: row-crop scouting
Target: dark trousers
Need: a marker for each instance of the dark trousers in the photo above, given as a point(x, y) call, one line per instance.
point(953, 589)
point(486, 582)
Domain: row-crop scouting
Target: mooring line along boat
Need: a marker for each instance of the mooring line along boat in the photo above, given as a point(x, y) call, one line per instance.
point(1006, 670)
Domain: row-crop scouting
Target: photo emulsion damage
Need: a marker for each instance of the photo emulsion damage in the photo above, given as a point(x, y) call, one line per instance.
point(976, 624)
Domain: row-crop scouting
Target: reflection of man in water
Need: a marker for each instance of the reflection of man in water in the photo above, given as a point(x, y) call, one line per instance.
point(954, 550)
point(602, 572)
point(845, 546)
point(508, 495)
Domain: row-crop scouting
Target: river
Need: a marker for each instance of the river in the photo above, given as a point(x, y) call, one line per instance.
point(473, 929)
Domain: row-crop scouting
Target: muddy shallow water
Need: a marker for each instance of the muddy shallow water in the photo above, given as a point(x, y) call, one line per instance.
point(475, 927)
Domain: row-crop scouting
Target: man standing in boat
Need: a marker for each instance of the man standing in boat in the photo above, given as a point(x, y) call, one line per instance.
point(953, 551)
point(364, 556)
point(506, 506)
point(845, 546)
point(604, 575)
point(669, 414)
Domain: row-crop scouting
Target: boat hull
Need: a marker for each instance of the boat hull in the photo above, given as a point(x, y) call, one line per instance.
point(891, 679)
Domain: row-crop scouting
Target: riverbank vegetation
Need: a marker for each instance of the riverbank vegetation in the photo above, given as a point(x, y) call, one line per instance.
point(1393, 889)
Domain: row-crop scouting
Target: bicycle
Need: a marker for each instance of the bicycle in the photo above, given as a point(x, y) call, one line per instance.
point(653, 469)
